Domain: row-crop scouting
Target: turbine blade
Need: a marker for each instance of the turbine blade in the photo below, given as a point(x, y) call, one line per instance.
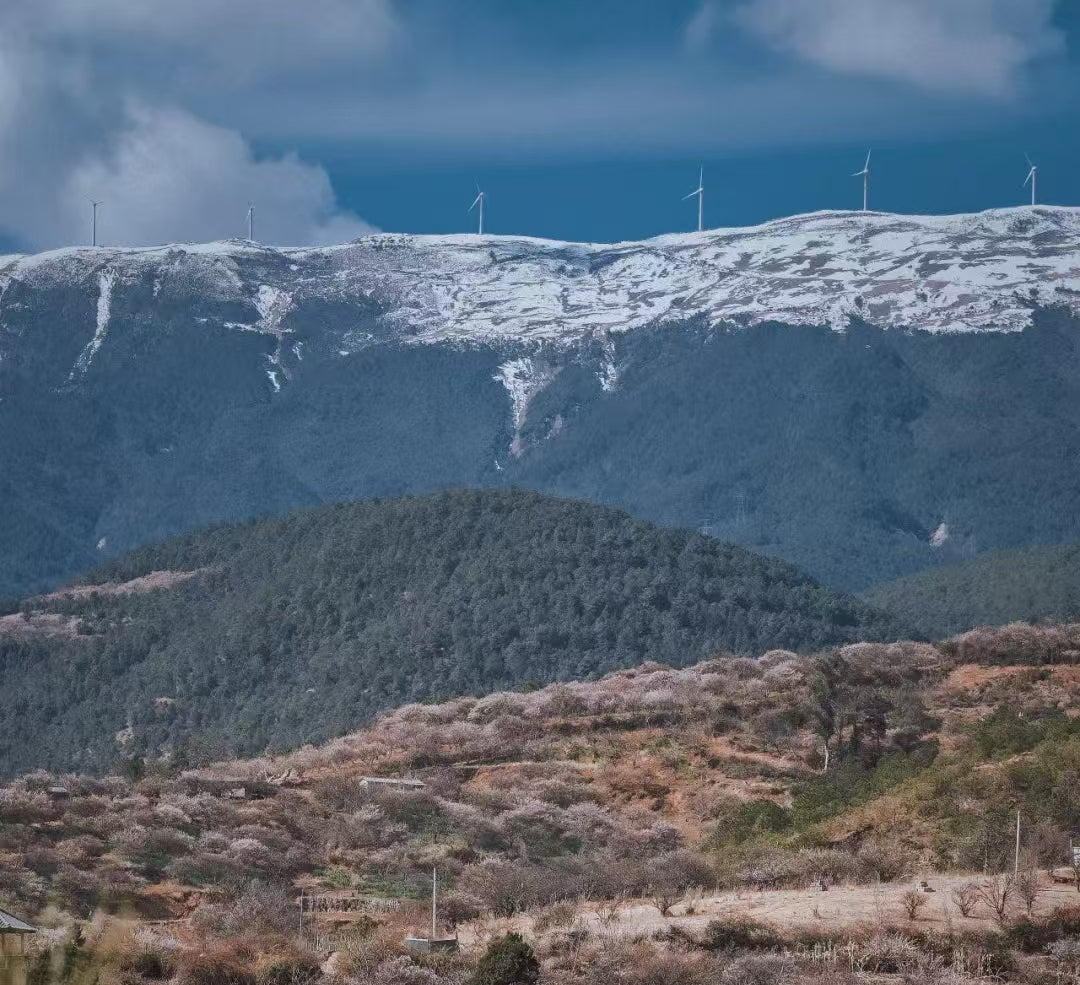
point(696, 191)
point(866, 166)
point(477, 201)
point(1028, 178)
point(1028, 159)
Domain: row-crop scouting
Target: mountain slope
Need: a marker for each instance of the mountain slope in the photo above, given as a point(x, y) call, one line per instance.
point(288, 631)
point(1032, 584)
point(699, 381)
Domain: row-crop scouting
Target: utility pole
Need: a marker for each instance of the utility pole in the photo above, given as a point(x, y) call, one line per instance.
point(301, 913)
point(434, 900)
point(1016, 857)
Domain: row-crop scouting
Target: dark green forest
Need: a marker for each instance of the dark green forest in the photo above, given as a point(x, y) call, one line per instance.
point(301, 628)
point(1032, 584)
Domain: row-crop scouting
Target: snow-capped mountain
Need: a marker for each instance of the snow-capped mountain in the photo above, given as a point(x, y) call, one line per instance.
point(687, 377)
point(983, 272)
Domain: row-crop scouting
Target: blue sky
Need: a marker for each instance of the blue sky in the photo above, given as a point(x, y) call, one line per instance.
point(582, 120)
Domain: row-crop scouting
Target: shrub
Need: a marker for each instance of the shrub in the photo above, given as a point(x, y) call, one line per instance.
point(966, 898)
point(913, 901)
point(214, 966)
point(508, 961)
point(888, 954)
point(742, 821)
point(403, 971)
point(885, 860)
point(758, 969)
point(1030, 936)
point(292, 968)
point(149, 963)
point(258, 909)
point(1066, 953)
point(560, 914)
point(740, 934)
point(998, 895)
point(1029, 889)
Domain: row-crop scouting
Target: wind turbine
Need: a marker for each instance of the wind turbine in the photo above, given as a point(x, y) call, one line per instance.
point(1033, 177)
point(480, 196)
point(93, 224)
point(700, 192)
point(865, 175)
point(251, 222)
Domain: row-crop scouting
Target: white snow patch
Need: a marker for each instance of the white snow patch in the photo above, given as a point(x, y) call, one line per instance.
point(963, 273)
point(104, 309)
point(273, 376)
point(523, 379)
point(273, 305)
point(940, 535)
point(608, 376)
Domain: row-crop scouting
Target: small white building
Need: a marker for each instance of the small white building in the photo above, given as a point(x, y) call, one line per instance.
point(373, 784)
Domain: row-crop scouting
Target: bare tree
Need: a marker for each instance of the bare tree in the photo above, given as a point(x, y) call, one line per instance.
point(913, 901)
point(966, 898)
point(1028, 888)
point(998, 895)
point(1049, 845)
point(664, 900)
point(608, 911)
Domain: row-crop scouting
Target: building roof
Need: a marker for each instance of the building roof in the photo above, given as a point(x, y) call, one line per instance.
point(13, 925)
point(392, 780)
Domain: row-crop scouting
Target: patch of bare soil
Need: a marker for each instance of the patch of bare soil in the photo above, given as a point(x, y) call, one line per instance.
point(136, 586)
point(839, 907)
point(38, 624)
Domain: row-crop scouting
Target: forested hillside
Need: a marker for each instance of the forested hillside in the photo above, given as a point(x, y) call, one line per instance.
point(663, 825)
point(1033, 584)
point(284, 631)
point(236, 382)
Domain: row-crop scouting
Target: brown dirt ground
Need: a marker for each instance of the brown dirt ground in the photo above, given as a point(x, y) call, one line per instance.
point(789, 909)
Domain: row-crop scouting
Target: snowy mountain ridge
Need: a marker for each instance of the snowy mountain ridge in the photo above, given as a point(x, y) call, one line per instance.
point(964, 273)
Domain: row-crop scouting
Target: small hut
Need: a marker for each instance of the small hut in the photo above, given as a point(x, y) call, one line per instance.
point(13, 935)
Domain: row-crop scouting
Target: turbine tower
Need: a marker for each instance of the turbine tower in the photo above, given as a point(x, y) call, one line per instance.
point(479, 200)
point(251, 222)
point(1033, 177)
point(93, 224)
point(865, 175)
point(700, 192)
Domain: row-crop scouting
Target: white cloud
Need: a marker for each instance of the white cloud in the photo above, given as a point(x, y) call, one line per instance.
point(242, 38)
point(702, 26)
point(169, 175)
point(97, 97)
point(967, 47)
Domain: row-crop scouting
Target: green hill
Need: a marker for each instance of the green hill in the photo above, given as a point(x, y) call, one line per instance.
point(295, 629)
point(1032, 584)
